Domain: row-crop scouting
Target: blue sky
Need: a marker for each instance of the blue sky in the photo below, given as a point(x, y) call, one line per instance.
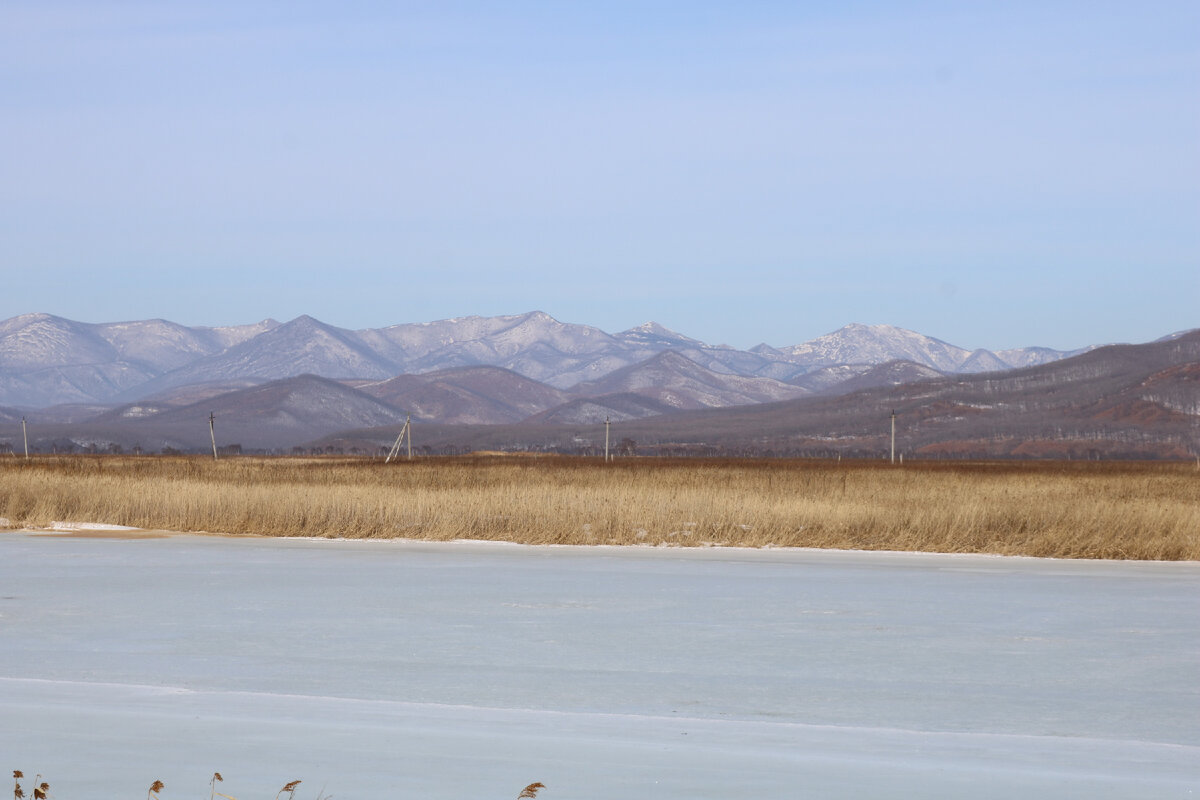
point(994, 175)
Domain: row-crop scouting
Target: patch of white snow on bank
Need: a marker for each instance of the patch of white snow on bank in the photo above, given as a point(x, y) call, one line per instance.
point(88, 526)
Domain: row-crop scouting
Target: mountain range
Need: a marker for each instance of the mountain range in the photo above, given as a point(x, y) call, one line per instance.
point(532, 381)
point(47, 360)
point(1119, 401)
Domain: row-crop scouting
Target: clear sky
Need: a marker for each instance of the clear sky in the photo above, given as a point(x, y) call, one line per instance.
point(992, 174)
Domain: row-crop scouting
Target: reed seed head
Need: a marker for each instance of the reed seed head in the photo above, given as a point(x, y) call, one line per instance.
point(288, 788)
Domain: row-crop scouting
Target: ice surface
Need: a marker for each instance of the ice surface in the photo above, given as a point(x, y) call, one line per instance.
point(385, 669)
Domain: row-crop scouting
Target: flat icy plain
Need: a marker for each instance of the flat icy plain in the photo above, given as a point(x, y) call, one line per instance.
point(403, 669)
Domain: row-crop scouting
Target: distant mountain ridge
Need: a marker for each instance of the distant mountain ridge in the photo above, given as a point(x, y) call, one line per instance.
point(676, 382)
point(467, 395)
point(1131, 401)
point(1113, 402)
point(878, 344)
point(47, 360)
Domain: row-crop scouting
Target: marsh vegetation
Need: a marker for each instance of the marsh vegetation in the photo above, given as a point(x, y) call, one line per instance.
point(1116, 510)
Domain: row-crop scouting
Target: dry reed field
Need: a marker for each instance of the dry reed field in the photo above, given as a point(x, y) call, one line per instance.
point(1114, 510)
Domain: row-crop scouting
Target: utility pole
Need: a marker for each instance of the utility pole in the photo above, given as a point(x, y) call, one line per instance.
point(211, 433)
point(606, 424)
point(405, 431)
point(893, 436)
point(25, 436)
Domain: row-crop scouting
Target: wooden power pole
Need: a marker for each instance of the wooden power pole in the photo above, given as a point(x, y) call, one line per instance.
point(212, 434)
point(606, 424)
point(406, 431)
point(893, 436)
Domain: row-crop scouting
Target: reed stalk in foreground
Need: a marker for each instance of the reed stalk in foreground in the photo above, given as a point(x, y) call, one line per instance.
point(41, 788)
point(1061, 509)
point(212, 787)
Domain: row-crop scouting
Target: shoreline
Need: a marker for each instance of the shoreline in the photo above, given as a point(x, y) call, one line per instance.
point(105, 531)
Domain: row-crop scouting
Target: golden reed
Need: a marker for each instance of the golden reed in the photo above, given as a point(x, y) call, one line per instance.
point(1062, 509)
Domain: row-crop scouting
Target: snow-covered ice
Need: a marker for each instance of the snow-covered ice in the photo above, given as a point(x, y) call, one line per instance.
point(385, 669)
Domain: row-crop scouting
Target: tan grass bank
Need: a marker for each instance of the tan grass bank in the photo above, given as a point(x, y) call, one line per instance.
point(1062, 509)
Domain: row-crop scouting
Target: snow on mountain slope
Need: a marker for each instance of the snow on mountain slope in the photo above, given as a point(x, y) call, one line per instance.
point(158, 344)
point(230, 335)
point(877, 344)
point(547, 365)
point(1175, 388)
point(651, 334)
point(468, 340)
point(1036, 356)
point(45, 360)
point(982, 361)
point(48, 360)
point(766, 363)
point(541, 328)
point(467, 395)
point(84, 383)
point(677, 381)
point(36, 341)
point(304, 345)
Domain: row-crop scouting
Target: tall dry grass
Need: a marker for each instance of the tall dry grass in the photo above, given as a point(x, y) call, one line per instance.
point(1063, 509)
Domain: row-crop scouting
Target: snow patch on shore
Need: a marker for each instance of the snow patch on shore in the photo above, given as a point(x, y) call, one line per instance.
point(88, 526)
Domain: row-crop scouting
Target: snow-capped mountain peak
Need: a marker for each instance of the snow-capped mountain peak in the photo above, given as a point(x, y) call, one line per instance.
point(48, 360)
point(877, 344)
point(654, 334)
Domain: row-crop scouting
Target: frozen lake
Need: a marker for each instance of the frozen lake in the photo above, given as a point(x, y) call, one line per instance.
point(402, 669)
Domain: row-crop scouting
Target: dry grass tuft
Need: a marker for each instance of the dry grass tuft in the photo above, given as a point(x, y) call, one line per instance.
point(41, 789)
point(531, 790)
point(1117, 510)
